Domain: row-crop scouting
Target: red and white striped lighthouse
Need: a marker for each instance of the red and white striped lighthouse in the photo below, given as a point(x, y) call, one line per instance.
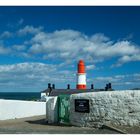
point(81, 75)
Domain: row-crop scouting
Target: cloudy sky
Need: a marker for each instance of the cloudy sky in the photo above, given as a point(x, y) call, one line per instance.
point(43, 44)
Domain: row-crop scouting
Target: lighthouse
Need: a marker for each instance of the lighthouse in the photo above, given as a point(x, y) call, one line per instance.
point(81, 75)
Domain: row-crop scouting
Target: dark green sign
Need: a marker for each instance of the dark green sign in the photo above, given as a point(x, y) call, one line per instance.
point(64, 108)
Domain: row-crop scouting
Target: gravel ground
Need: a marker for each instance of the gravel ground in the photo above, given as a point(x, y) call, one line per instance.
point(38, 125)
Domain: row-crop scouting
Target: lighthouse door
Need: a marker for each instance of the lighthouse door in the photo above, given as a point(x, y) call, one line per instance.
point(63, 108)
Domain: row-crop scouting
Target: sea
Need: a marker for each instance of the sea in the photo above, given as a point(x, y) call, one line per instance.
point(30, 96)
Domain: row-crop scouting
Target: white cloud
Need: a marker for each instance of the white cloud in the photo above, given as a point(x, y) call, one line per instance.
point(21, 67)
point(6, 34)
point(105, 50)
point(19, 47)
point(128, 81)
point(37, 75)
point(66, 45)
point(106, 79)
point(32, 75)
point(136, 75)
point(29, 30)
point(117, 49)
point(99, 37)
point(70, 44)
point(126, 59)
point(120, 76)
point(90, 67)
point(4, 50)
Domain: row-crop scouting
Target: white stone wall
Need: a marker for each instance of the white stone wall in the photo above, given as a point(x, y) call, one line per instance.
point(109, 107)
point(11, 109)
point(52, 109)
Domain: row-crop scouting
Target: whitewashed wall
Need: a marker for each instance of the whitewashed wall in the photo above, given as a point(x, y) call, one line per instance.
point(110, 107)
point(11, 109)
point(52, 109)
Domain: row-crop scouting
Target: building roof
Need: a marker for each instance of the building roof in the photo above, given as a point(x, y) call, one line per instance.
point(56, 92)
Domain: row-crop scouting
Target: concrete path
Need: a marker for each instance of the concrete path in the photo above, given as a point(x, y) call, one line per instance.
point(37, 125)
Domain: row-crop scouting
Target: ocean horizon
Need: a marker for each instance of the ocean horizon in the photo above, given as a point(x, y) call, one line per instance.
point(20, 95)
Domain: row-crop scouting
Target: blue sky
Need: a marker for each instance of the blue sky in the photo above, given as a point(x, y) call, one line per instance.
point(43, 44)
